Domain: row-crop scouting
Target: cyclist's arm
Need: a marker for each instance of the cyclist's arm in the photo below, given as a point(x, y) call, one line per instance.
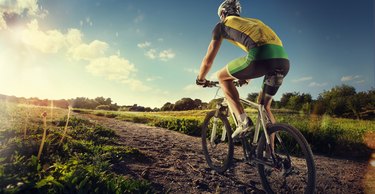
point(206, 64)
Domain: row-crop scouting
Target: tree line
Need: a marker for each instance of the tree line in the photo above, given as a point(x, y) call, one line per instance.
point(341, 101)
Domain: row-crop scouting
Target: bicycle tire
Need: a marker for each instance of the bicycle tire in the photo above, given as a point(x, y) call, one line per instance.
point(299, 171)
point(218, 156)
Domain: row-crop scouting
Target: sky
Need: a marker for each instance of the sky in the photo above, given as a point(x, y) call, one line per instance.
point(149, 52)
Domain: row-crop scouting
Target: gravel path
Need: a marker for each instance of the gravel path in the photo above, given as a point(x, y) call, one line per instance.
point(176, 164)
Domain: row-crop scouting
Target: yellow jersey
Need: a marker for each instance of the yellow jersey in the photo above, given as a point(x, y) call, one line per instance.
point(245, 33)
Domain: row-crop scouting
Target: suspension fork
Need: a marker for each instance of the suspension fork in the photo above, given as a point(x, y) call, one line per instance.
point(214, 125)
point(221, 108)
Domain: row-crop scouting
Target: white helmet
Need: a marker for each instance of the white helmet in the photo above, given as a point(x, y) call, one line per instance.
point(229, 7)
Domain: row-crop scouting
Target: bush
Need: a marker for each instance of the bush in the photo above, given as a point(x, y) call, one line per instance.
point(186, 126)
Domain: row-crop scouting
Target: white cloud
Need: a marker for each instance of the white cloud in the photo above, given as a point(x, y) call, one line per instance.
point(3, 24)
point(151, 53)
point(302, 79)
point(166, 55)
point(112, 68)
point(314, 84)
point(30, 7)
point(89, 51)
point(25, 43)
point(349, 78)
point(117, 69)
point(74, 37)
point(144, 45)
point(52, 41)
point(19, 7)
point(47, 42)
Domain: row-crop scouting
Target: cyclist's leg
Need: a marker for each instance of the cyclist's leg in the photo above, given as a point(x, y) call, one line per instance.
point(277, 70)
point(230, 91)
point(267, 105)
point(240, 68)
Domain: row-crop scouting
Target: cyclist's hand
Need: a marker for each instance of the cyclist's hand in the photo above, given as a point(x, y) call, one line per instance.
point(242, 82)
point(203, 82)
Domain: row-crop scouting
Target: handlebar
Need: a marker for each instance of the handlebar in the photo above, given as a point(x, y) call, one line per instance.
point(211, 84)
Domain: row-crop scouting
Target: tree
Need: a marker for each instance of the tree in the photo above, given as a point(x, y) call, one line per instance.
point(319, 108)
point(354, 104)
point(61, 103)
point(100, 100)
point(296, 101)
point(198, 104)
point(212, 104)
point(252, 97)
point(285, 99)
point(167, 107)
point(184, 104)
point(337, 98)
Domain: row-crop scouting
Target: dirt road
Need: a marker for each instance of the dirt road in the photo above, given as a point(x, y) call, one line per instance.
point(176, 164)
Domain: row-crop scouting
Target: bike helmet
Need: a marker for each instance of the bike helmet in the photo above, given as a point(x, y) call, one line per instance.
point(229, 7)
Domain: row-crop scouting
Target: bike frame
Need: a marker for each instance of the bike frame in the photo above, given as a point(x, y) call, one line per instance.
point(262, 120)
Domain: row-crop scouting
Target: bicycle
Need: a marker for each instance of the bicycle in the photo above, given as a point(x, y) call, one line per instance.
point(286, 166)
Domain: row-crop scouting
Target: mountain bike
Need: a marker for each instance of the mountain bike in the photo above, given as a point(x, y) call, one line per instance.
point(281, 153)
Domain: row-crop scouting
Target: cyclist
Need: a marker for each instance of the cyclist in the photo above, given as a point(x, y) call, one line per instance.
point(265, 57)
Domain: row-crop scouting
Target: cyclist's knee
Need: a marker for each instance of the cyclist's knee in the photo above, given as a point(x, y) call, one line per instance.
point(222, 75)
point(267, 100)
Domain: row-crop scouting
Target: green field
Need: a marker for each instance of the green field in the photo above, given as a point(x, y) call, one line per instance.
point(90, 154)
point(86, 161)
point(326, 135)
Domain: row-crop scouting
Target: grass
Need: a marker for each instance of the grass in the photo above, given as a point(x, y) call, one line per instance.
point(86, 162)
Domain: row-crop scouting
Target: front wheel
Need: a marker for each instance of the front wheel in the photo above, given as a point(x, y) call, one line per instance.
point(217, 141)
point(293, 169)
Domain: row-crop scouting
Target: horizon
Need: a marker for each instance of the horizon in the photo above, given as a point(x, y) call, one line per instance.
point(122, 105)
point(134, 52)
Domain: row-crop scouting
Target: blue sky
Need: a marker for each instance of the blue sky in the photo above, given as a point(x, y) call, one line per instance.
point(149, 52)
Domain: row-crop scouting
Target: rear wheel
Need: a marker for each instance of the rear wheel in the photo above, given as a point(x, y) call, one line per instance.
point(217, 147)
point(294, 168)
